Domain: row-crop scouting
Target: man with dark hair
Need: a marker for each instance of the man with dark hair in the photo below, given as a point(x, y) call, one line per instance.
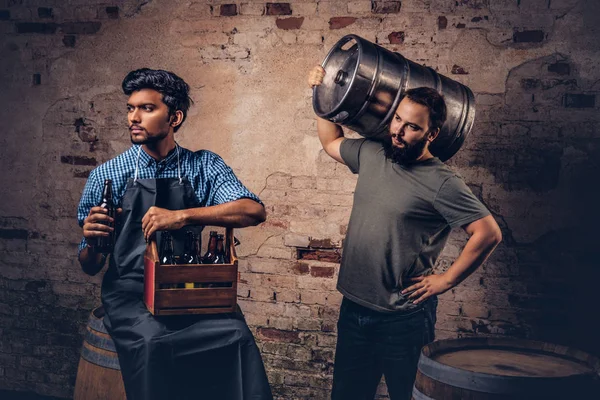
point(161, 186)
point(406, 202)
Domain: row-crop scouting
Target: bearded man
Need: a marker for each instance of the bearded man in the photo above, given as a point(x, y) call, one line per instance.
point(406, 202)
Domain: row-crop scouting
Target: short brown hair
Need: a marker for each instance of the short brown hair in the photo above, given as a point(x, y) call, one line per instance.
point(434, 102)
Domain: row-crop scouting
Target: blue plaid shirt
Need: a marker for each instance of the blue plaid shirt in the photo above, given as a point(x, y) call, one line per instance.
point(213, 181)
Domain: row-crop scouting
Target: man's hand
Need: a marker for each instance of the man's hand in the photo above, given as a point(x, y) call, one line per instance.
point(315, 76)
point(427, 286)
point(96, 223)
point(160, 219)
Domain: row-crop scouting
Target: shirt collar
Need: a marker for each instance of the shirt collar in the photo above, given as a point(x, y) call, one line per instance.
point(147, 160)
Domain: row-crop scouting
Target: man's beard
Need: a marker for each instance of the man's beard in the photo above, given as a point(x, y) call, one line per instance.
point(148, 139)
point(405, 155)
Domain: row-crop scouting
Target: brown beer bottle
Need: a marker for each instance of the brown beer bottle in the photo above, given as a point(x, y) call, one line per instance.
point(211, 252)
point(167, 256)
point(197, 248)
point(190, 253)
point(221, 258)
point(220, 255)
point(106, 244)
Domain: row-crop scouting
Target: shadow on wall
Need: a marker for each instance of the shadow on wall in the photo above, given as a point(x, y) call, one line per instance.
point(539, 143)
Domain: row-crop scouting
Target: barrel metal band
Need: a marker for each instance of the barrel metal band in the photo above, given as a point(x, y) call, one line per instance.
point(417, 395)
point(97, 324)
point(100, 359)
point(100, 342)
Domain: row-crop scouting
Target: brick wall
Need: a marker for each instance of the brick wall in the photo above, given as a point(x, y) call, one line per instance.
point(532, 157)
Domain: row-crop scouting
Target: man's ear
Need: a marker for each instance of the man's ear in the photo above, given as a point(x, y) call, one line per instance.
point(433, 134)
point(177, 118)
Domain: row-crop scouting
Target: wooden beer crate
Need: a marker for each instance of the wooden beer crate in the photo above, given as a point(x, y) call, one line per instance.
point(202, 300)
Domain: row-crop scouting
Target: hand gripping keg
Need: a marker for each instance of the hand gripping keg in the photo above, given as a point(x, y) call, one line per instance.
point(364, 84)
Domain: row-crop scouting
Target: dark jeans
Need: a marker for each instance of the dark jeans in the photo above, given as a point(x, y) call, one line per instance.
point(372, 343)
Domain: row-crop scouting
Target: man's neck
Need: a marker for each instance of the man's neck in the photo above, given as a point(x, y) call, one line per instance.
point(160, 150)
point(425, 156)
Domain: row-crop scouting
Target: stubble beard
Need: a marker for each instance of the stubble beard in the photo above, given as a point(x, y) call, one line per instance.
point(148, 140)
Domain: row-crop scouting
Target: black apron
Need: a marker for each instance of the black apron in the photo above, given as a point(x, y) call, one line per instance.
point(172, 357)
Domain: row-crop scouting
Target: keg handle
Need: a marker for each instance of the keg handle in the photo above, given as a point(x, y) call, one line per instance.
point(341, 77)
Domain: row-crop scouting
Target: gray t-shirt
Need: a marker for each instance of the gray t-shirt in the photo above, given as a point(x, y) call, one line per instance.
point(400, 222)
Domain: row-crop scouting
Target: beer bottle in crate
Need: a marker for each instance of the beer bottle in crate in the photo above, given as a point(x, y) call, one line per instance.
point(220, 254)
point(190, 253)
point(211, 252)
point(197, 248)
point(167, 256)
point(106, 244)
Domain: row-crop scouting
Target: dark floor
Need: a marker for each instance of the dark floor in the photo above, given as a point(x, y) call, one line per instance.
point(11, 395)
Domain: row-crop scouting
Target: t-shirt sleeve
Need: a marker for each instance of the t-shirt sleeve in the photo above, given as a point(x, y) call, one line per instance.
point(350, 153)
point(224, 185)
point(457, 204)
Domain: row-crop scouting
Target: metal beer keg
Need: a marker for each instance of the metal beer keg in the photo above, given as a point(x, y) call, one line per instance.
point(364, 84)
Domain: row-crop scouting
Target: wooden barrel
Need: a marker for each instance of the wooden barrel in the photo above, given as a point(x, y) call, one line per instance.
point(504, 368)
point(99, 374)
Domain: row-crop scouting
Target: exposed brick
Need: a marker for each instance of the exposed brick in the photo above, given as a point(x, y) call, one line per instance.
point(321, 243)
point(560, 68)
point(81, 174)
point(535, 36)
point(289, 23)
point(112, 12)
point(35, 286)
point(572, 100)
point(340, 22)
point(228, 10)
point(385, 7)
point(4, 15)
point(530, 83)
point(84, 28)
point(44, 12)
point(301, 268)
point(278, 335)
point(458, 70)
point(276, 223)
point(322, 272)
point(442, 22)
point(396, 37)
point(78, 160)
point(279, 9)
point(13, 234)
point(69, 40)
point(36, 27)
point(333, 256)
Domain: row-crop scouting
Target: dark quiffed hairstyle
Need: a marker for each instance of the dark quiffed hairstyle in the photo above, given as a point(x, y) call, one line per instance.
point(175, 92)
point(434, 102)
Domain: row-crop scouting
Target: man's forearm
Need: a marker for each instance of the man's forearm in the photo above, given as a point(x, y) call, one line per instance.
point(478, 248)
point(91, 262)
point(234, 214)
